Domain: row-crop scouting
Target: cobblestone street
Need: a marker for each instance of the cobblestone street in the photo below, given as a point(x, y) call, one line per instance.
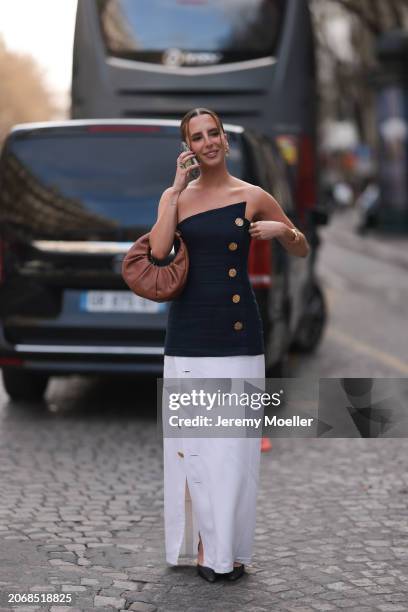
point(81, 499)
point(81, 513)
point(203, 298)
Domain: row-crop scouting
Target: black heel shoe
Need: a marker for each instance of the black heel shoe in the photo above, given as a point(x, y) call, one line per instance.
point(236, 573)
point(206, 572)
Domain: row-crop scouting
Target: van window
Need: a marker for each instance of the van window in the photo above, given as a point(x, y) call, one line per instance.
point(104, 174)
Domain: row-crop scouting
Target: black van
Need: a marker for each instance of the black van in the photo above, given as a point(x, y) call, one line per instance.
point(74, 196)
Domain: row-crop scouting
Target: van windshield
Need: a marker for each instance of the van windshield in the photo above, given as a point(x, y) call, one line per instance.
point(100, 178)
point(191, 32)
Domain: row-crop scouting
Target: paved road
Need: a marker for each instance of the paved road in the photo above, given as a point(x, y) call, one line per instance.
point(81, 486)
point(366, 286)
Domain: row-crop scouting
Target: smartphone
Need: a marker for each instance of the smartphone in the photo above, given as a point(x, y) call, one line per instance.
point(192, 160)
point(195, 173)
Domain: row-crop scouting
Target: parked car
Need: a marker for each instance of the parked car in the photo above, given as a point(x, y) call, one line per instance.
point(74, 196)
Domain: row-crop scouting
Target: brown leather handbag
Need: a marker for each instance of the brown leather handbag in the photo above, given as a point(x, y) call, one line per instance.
point(160, 281)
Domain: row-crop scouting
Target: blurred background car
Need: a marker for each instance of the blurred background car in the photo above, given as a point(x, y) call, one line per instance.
point(74, 196)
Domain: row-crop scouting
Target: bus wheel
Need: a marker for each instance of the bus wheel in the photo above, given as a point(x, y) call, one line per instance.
point(24, 386)
point(312, 323)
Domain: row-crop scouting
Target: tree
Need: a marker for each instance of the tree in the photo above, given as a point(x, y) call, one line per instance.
point(23, 94)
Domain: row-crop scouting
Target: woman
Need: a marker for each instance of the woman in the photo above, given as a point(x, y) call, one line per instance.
point(214, 330)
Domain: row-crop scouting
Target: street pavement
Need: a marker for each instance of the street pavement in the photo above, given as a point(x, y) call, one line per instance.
point(365, 282)
point(388, 246)
point(81, 513)
point(81, 496)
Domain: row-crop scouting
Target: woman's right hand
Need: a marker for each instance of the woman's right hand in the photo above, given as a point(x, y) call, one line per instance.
point(183, 172)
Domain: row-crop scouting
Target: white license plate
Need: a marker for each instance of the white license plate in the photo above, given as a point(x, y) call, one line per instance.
point(117, 301)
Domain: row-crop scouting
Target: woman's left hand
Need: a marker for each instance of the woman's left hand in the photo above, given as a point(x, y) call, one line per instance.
point(266, 230)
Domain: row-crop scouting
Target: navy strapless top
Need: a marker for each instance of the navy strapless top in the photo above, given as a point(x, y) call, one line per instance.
point(217, 313)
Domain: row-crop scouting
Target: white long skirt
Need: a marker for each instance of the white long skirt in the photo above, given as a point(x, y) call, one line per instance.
point(211, 484)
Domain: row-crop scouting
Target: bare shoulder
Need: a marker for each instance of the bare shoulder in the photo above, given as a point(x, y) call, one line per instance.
point(248, 190)
point(258, 200)
point(264, 207)
point(242, 188)
point(256, 193)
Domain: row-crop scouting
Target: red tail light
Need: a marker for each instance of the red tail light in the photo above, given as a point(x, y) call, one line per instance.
point(260, 264)
point(306, 192)
point(11, 361)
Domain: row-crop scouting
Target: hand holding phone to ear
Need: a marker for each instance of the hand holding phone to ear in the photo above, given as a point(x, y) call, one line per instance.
point(186, 164)
point(185, 148)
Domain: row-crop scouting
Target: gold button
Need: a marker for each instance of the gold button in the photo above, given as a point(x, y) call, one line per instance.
point(239, 222)
point(232, 246)
point(238, 326)
point(232, 272)
point(180, 454)
point(236, 298)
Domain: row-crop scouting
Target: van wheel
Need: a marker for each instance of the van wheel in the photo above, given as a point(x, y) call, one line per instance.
point(312, 323)
point(25, 386)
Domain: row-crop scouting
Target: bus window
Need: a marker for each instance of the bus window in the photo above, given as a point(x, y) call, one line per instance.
point(190, 32)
